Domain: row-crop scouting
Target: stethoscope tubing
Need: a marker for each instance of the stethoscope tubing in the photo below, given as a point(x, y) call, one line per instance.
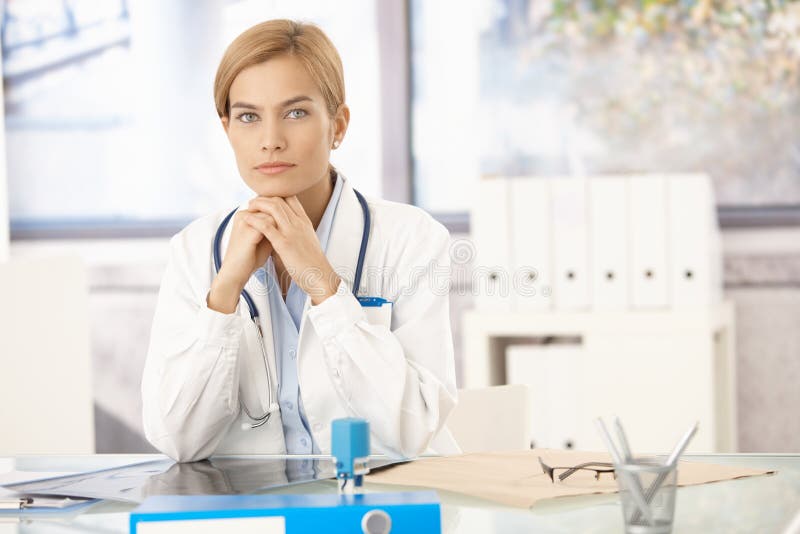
point(253, 309)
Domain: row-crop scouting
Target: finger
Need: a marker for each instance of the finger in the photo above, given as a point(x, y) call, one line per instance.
point(294, 204)
point(242, 214)
point(264, 223)
point(258, 218)
point(276, 207)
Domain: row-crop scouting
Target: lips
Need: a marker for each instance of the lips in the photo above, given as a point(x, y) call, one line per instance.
point(274, 167)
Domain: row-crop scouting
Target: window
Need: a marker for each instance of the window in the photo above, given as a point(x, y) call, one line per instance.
point(110, 120)
point(566, 87)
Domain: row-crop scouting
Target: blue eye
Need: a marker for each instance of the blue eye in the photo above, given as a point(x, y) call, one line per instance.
point(248, 117)
point(297, 114)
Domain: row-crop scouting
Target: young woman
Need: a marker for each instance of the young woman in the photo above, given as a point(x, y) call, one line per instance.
point(309, 302)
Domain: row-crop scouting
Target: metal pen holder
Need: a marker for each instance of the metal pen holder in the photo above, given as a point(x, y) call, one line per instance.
point(657, 483)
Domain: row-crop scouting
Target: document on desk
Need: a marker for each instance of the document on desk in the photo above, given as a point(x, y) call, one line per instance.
point(18, 505)
point(216, 476)
point(516, 478)
point(13, 503)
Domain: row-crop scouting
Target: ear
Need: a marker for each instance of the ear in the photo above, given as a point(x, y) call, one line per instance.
point(225, 123)
point(340, 121)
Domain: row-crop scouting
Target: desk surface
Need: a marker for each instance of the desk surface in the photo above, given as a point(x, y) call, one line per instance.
point(758, 504)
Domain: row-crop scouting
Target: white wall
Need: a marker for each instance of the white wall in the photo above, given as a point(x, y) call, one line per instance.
point(3, 180)
point(762, 278)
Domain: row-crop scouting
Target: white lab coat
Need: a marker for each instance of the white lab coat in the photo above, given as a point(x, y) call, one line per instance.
point(399, 377)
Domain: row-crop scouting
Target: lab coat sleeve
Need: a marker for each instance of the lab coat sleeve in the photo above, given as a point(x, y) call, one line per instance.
point(401, 380)
point(190, 383)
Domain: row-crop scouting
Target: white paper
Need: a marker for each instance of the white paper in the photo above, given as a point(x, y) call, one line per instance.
point(244, 525)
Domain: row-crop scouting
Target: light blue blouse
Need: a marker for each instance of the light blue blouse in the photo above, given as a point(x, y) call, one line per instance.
point(285, 319)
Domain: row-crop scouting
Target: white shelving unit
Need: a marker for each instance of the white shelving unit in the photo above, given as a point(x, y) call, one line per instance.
point(657, 370)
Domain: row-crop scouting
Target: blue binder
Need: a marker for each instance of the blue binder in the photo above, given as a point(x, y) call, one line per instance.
point(402, 512)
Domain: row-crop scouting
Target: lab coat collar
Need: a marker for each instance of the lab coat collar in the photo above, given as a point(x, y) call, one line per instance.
point(344, 242)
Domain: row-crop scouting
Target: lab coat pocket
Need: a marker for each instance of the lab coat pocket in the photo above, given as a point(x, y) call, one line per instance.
point(377, 310)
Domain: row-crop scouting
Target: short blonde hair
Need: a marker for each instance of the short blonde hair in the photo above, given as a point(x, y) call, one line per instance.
point(273, 38)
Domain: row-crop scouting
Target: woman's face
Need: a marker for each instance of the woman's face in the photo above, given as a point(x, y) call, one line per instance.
point(278, 115)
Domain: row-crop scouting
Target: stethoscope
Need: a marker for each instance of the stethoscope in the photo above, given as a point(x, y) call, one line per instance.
point(273, 406)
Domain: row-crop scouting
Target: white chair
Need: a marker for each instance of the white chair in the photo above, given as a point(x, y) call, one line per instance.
point(45, 382)
point(496, 418)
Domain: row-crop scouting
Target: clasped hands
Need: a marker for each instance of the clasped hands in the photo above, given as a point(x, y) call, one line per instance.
point(285, 224)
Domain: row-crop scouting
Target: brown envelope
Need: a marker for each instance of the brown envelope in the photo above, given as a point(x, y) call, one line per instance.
point(516, 478)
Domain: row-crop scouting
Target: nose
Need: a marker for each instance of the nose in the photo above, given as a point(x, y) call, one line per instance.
point(272, 137)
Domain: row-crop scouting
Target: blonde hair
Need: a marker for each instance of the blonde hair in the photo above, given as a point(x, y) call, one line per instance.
point(273, 38)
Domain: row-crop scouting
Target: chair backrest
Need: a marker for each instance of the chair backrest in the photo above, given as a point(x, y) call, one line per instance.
point(494, 418)
point(46, 401)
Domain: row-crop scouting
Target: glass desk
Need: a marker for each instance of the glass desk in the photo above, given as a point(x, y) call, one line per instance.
point(757, 504)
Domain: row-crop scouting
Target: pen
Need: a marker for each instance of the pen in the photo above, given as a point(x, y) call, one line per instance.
point(681, 446)
point(635, 489)
point(17, 503)
point(623, 440)
point(671, 461)
point(626, 450)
